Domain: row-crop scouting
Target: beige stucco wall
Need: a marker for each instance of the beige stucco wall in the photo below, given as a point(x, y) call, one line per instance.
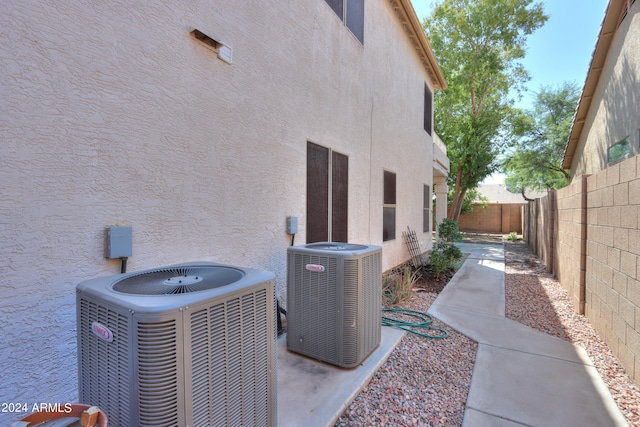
point(615, 107)
point(111, 113)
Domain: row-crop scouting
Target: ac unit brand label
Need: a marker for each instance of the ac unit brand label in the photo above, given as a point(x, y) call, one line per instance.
point(102, 331)
point(315, 267)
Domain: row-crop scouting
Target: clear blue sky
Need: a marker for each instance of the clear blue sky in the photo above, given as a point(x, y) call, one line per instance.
point(559, 51)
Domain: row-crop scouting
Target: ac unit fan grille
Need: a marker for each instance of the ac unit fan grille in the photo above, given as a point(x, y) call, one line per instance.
point(170, 281)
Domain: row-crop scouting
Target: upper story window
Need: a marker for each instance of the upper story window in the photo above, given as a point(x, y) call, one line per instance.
point(428, 109)
point(619, 151)
point(351, 12)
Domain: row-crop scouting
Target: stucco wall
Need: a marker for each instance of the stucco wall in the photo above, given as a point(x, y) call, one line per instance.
point(615, 107)
point(111, 113)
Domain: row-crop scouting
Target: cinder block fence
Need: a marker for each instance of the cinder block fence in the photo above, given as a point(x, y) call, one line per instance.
point(588, 236)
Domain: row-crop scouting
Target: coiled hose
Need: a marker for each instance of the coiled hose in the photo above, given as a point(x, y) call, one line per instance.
point(414, 328)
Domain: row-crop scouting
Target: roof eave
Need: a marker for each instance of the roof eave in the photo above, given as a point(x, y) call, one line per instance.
point(607, 31)
point(408, 16)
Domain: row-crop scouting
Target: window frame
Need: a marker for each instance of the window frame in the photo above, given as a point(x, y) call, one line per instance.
point(389, 205)
point(426, 208)
point(351, 13)
point(618, 158)
point(428, 110)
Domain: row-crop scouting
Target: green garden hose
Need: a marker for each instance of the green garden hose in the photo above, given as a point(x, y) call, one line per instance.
point(426, 320)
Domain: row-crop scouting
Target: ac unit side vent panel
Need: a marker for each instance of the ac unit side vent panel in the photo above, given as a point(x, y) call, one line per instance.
point(230, 366)
point(105, 367)
point(159, 361)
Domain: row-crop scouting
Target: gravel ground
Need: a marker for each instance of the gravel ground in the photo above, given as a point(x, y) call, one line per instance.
point(425, 382)
point(536, 299)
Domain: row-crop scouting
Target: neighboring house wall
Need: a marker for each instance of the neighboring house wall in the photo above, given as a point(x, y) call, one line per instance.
point(609, 110)
point(112, 113)
point(495, 218)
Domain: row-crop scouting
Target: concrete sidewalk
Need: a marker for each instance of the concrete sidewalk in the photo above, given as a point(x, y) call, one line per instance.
point(521, 376)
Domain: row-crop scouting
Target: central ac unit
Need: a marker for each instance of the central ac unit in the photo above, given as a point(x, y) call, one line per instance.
point(188, 345)
point(334, 301)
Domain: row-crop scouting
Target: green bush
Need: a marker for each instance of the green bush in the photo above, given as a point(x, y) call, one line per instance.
point(445, 253)
point(513, 237)
point(448, 231)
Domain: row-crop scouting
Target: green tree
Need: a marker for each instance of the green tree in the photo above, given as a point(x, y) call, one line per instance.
point(478, 44)
point(536, 160)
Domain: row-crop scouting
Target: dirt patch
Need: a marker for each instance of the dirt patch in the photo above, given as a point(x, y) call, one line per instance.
point(427, 281)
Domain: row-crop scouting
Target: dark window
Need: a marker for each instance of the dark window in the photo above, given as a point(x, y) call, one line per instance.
point(428, 109)
point(327, 194)
point(355, 18)
point(338, 7)
point(317, 193)
point(426, 223)
point(351, 12)
point(339, 196)
point(389, 207)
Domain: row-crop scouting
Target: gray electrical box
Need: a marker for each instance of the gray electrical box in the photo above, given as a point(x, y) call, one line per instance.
point(292, 224)
point(119, 242)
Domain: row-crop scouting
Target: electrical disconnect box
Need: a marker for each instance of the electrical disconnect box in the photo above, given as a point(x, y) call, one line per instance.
point(292, 224)
point(119, 242)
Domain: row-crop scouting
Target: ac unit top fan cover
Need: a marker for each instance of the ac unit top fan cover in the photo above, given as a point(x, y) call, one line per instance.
point(334, 248)
point(178, 280)
point(172, 286)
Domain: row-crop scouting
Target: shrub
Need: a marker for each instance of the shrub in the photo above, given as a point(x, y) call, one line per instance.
point(445, 252)
point(397, 286)
point(513, 237)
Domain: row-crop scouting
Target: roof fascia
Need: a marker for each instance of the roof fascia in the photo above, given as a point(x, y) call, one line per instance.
point(607, 31)
point(407, 15)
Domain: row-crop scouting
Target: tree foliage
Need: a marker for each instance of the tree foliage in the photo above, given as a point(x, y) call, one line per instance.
point(536, 161)
point(478, 44)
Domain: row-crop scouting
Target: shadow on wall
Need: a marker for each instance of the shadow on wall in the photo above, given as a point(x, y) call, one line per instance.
point(622, 108)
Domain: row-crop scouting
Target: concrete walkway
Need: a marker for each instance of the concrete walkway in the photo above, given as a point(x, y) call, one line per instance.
point(521, 377)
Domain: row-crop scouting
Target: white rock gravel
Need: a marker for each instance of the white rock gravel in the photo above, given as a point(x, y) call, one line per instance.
point(425, 382)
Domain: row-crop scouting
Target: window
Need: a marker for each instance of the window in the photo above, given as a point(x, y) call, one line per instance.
point(619, 151)
point(389, 207)
point(351, 12)
point(428, 109)
point(426, 204)
point(327, 194)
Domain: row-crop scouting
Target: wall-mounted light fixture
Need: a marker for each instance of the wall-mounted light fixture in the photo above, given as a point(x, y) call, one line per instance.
point(224, 52)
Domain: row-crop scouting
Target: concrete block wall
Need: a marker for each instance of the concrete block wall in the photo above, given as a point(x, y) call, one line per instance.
point(593, 248)
point(495, 218)
point(570, 240)
point(613, 246)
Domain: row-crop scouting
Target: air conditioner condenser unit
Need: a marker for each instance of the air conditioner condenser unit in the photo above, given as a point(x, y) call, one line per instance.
point(334, 301)
point(187, 345)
